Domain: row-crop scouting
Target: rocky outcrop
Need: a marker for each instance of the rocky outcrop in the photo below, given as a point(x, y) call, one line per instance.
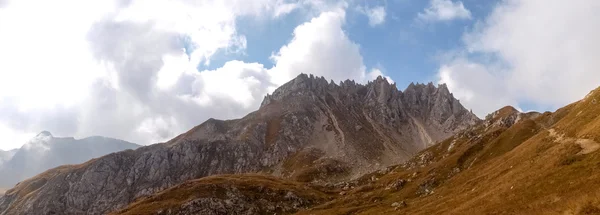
point(341, 131)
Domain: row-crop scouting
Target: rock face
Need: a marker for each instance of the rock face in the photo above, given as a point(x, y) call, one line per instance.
point(308, 128)
point(45, 151)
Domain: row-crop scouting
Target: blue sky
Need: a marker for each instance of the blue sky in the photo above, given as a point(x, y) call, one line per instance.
point(404, 48)
point(148, 70)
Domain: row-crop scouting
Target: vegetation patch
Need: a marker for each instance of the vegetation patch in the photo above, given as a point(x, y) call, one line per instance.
point(589, 209)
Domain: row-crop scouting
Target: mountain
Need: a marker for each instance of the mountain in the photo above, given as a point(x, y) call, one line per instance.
point(308, 130)
point(509, 163)
point(45, 151)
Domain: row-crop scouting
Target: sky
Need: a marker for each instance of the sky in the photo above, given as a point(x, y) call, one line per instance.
point(147, 70)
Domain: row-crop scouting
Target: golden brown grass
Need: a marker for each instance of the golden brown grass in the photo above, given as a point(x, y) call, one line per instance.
point(309, 165)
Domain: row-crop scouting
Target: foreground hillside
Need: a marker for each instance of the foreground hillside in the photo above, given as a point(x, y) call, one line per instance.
point(232, 194)
point(309, 130)
point(512, 163)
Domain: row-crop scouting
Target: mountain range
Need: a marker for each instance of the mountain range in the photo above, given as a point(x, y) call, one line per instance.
point(508, 163)
point(319, 147)
point(45, 151)
point(309, 130)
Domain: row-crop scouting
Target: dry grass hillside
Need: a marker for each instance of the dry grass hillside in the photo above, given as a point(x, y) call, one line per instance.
point(512, 163)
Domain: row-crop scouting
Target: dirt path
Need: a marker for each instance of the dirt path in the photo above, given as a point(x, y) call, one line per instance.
point(587, 145)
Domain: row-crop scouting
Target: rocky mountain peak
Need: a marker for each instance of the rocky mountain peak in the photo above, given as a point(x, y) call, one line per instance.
point(505, 117)
point(298, 86)
point(40, 141)
point(443, 88)
point(381, 80)
point(506, 111)
point(44, 134)
point(381, 91)
point(428, 88)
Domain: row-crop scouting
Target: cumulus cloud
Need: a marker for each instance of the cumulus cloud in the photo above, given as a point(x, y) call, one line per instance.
point(444, 10)
point(540, 52)
point(476, 86)
point(376, 14)
point(320, 47)
point(134, 51)
point(129, 69)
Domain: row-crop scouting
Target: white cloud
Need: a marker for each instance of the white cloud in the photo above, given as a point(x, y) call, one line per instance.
point(15, 138)
point(284, 9)
point(444, 10)
point(243, 83)
point(121, 68)
point(3, 3)
point(547, 51)
point(376, 15)
point(322, 48)
point(475, 86)
point(34, 51)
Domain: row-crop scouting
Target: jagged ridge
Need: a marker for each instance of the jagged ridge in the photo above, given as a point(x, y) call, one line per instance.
point(332, 132)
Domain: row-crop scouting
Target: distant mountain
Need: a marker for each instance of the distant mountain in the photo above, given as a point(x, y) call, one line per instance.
point(45, 151)
point(5, 156)
point(309, 130)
